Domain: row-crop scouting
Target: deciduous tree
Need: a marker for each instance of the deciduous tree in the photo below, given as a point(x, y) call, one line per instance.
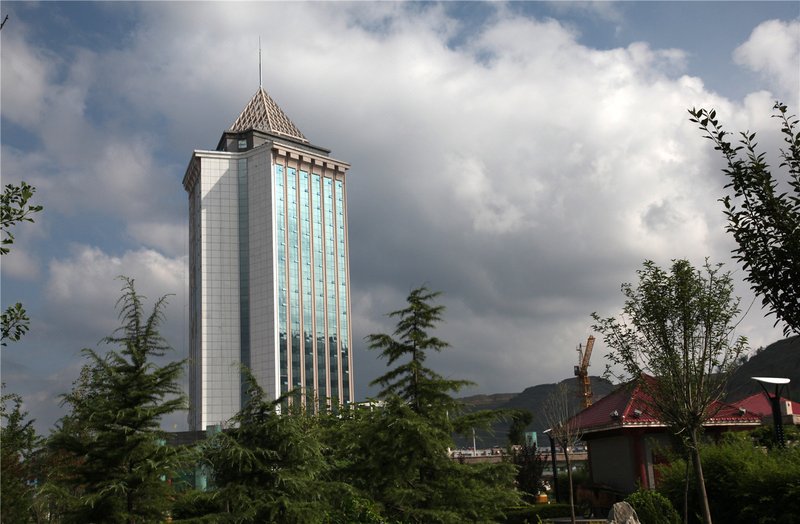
point(763, 218)
point(559, 412)
point(15, 207)
point(678, 326)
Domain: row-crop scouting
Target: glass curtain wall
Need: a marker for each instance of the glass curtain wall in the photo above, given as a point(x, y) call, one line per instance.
point(280, 241)
point(312, 287)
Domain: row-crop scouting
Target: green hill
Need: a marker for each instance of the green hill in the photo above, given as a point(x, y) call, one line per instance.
point(779, 359)
point(530, 399)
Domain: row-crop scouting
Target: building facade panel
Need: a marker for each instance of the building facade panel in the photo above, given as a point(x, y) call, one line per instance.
point(262, 278)
point(220, 332)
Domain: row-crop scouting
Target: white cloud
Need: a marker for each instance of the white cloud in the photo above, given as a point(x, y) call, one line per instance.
point(523, 173)
point(83, 288)
point(773, 50)
point(24, 81)
point(171, 239)
point(21, 264)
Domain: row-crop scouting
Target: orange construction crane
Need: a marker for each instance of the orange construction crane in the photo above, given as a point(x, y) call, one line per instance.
point(582, 372)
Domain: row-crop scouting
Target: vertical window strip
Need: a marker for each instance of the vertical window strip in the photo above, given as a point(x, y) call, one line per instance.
point(319, 288)
point(330, 276)
point(294, 278)
point(280, 227)
point(342, 262)
point(305, 257)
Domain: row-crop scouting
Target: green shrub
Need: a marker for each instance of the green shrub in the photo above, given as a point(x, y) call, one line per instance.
point(653, 508)
point(745, 484)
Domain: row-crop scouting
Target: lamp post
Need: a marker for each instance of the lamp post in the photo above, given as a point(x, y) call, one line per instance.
point(553, 460)
point(775, 403)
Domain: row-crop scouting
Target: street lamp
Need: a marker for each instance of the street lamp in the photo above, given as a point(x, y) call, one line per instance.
point(775, 402)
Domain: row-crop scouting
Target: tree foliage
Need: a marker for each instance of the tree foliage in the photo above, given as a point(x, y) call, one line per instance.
point(425, 391)
point(520, 420)
point(746, 484)
point(399, 453)
point(19, 445)
point(530, 465)
point(764, 221)
point(652, 507)
point(677, 325)
point(118, 459)
point(271, 467)
point(15, 207)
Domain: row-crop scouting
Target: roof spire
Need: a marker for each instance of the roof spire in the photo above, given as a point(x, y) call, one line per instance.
point(263, 114)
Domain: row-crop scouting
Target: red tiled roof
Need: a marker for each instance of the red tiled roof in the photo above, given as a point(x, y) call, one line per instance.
point(628, 406)
point(759, 405)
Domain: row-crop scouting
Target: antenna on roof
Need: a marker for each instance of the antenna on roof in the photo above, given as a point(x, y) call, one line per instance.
point(260, 84)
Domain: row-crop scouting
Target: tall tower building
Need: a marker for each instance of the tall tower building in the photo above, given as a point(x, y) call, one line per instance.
point(269, 282)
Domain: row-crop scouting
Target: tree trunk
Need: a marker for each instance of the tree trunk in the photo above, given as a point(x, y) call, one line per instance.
point(569, 477)
point(686, 490)
point(698, 473)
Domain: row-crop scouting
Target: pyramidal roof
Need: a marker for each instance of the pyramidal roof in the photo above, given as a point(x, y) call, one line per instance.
point(263, 114)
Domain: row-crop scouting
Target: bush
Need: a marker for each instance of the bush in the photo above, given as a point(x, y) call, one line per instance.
point(746, 484)
point(579, 476)
point(653, 508)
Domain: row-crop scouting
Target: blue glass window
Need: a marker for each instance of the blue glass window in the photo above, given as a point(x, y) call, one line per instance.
point(280, 228)
point(319, 288)
point(330, 277)
point(307, 276)
point(294, 277)
point(342, 263)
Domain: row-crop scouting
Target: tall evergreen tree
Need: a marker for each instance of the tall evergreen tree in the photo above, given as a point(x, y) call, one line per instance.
point(271, 467)
point(18, 446)
point(424, 390)
point(119, 463)
point(399, 455)
point(530, 465)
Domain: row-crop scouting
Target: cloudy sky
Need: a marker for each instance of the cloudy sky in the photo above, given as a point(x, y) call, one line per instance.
point(522, 158)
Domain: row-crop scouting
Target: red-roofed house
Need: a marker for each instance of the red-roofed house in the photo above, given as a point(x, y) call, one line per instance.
point(758, 404)
point(623, 437)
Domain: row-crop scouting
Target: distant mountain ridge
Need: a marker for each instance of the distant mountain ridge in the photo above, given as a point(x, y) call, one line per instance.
point(779, 359)
point(530, 399)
